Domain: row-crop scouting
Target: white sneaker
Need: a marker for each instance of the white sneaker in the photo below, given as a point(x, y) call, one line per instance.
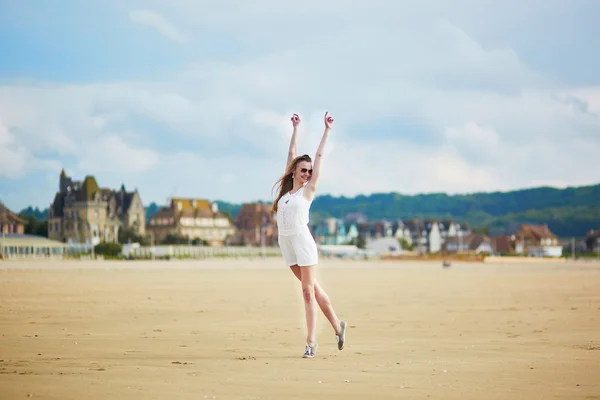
point(310, 351)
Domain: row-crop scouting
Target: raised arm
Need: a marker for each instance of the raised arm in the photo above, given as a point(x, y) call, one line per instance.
point(293, 141)
point(311, 187)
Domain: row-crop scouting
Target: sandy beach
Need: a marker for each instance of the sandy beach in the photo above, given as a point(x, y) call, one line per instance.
point(234, 329)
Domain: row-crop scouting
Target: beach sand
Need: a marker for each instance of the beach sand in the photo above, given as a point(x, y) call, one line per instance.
point(234, 329)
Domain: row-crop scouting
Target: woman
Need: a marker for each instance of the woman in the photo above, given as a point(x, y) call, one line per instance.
point(297, 191)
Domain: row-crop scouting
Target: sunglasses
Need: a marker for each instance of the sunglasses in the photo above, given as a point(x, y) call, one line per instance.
point(305, 170)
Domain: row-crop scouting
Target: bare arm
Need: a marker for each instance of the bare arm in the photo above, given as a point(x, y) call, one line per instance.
point(293, 150)
point(311, 186)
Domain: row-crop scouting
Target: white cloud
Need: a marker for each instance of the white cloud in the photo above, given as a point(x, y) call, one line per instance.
point(400, 166)
point(16, 160)
point(420, 103)
point(588, 100)
point(5, 137)
point(479, 145)
point(13, 157)
point(70, 121)
point(110, 153)
point(158, 22)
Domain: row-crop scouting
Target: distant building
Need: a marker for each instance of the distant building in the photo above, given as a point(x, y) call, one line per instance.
point(10, 222)
point(592, 240)
point(401, 231)
point(537, 241)
point(473, 243)
point(425, 236)
point(20, 246)
point(84, 213)
point(434, 237)
point(503, 244)
point(130, 211)
point(384, 245)
point(334, 231)
point(194, 219)
point(256, 223)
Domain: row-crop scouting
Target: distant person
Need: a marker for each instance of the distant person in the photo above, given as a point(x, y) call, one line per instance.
point(297, 190)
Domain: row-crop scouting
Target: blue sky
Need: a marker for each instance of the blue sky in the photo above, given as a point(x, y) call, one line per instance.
point(193, 98)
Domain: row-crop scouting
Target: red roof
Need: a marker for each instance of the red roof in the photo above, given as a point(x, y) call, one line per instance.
point(536, 232)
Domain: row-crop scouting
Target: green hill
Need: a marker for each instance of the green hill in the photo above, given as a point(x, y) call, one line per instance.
point(568, 212)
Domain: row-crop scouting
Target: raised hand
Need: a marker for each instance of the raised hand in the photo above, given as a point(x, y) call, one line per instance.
point(293, 150)
point(296, 120)
point(328, 120)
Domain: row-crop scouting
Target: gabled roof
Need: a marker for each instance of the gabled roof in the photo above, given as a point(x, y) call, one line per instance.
point(89, 187)
point(86, 191)
point(472, 241)
point(476, 239)
point(124, 198)
point(536, 232)
point(7, 215)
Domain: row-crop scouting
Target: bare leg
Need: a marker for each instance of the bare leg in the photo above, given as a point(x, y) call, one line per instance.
point(322, 300)
point(310, 303)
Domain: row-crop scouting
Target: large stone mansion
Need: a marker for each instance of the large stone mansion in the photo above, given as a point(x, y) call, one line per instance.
point(84, 213)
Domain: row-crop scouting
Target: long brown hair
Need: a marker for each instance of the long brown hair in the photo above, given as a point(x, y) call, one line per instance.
point(286, 182)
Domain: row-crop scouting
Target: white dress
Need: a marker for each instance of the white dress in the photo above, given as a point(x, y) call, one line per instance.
point(295, 240)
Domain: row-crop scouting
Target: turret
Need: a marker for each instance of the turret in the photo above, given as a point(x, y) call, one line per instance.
point(64, 182)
